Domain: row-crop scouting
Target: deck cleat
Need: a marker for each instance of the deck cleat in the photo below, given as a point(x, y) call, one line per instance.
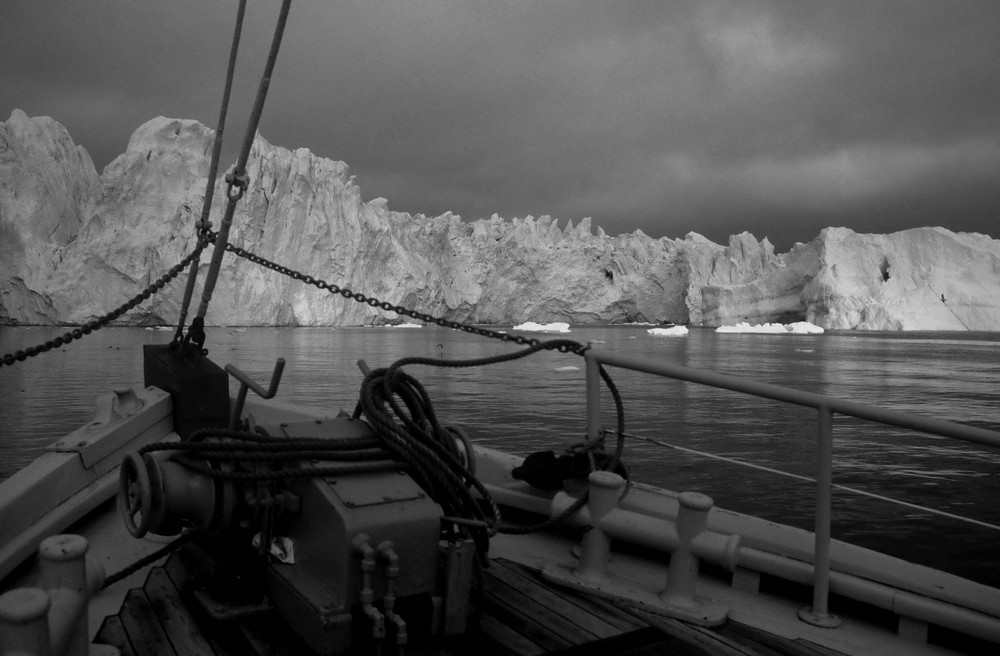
point(595, 573)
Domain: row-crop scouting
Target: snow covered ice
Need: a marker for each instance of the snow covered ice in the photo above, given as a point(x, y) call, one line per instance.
point(673, 331)
point(797, 328)
point(75, 244)
point(554, 327)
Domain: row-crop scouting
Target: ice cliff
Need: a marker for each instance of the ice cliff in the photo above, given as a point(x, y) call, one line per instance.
point(920, 279)
point(75, 245)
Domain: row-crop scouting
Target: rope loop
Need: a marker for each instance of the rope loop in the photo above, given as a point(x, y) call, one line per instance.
point(401, 415)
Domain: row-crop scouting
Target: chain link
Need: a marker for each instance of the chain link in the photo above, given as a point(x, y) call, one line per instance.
point(207, 236)
point(578, 349)
point(95, 324)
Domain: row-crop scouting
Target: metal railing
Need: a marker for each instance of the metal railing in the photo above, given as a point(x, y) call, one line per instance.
point(824, 405)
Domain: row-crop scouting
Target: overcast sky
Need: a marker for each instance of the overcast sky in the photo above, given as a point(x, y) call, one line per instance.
point(777, 117)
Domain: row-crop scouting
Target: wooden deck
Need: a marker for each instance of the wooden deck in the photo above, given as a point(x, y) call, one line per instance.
point(522, 615)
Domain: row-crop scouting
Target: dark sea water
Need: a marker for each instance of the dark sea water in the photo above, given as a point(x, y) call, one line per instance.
point(538, 403)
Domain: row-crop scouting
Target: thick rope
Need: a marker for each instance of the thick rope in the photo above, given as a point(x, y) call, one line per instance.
point(415, 436)
point(442, 469)
point(614, 463)
point(351, 455)
point(339, 469)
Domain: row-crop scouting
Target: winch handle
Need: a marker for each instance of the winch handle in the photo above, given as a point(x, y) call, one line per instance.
point(248, 383)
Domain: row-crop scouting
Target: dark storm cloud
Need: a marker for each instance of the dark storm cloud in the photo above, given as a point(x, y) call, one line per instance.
point(776, 117)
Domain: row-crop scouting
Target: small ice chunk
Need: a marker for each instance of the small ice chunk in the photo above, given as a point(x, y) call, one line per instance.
point(804, 328)
point(673, 331)
point(797, 328)
point(555, 327)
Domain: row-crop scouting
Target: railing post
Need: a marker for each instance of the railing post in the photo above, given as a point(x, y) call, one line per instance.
point(818, 614)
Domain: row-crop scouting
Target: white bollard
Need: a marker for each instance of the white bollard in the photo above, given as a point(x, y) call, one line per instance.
point(64, 576)
point(682, 576)
point(684, 541)
point(595, 548)
point(52, 619)
point(24, 624)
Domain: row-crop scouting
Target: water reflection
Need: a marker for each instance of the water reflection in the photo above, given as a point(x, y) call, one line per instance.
point(538, 403)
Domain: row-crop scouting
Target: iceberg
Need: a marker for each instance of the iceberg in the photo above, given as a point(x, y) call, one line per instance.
point(673, 331)
point(74, 244)
point(918, 279)
point(554, 327)
point(804, 328)
point(796, 328)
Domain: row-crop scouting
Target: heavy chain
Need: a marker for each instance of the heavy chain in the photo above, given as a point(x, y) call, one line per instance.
point(562, 347)
point(95, 324)
point(208, 236)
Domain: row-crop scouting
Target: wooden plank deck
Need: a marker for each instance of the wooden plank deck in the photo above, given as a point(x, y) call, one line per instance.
point(521, 615)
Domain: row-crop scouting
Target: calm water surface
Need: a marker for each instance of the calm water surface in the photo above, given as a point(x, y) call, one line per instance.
point(538, 403)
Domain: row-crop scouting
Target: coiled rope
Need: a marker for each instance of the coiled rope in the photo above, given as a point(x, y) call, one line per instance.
point(440, 468)
point(407, 435)
point(415, 436)
point(202, 453)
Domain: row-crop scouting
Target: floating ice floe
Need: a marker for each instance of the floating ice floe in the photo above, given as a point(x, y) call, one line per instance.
point(555, 327)
point(405, 325)
point(673, 331)
point(797, 328)
point(568, 368)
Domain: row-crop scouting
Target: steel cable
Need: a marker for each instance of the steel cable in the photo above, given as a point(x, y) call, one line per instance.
point(213, 169)
point(237, 177)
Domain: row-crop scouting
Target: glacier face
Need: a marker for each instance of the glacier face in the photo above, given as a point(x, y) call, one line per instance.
point(919, 279)
point(75, 245)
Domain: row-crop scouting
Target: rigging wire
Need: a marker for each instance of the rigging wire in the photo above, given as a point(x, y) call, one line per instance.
point(808, 479)
point(237, 178)
point(213, 170)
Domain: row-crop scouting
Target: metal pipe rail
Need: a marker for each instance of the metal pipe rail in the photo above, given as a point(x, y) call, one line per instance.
point(824, 405)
